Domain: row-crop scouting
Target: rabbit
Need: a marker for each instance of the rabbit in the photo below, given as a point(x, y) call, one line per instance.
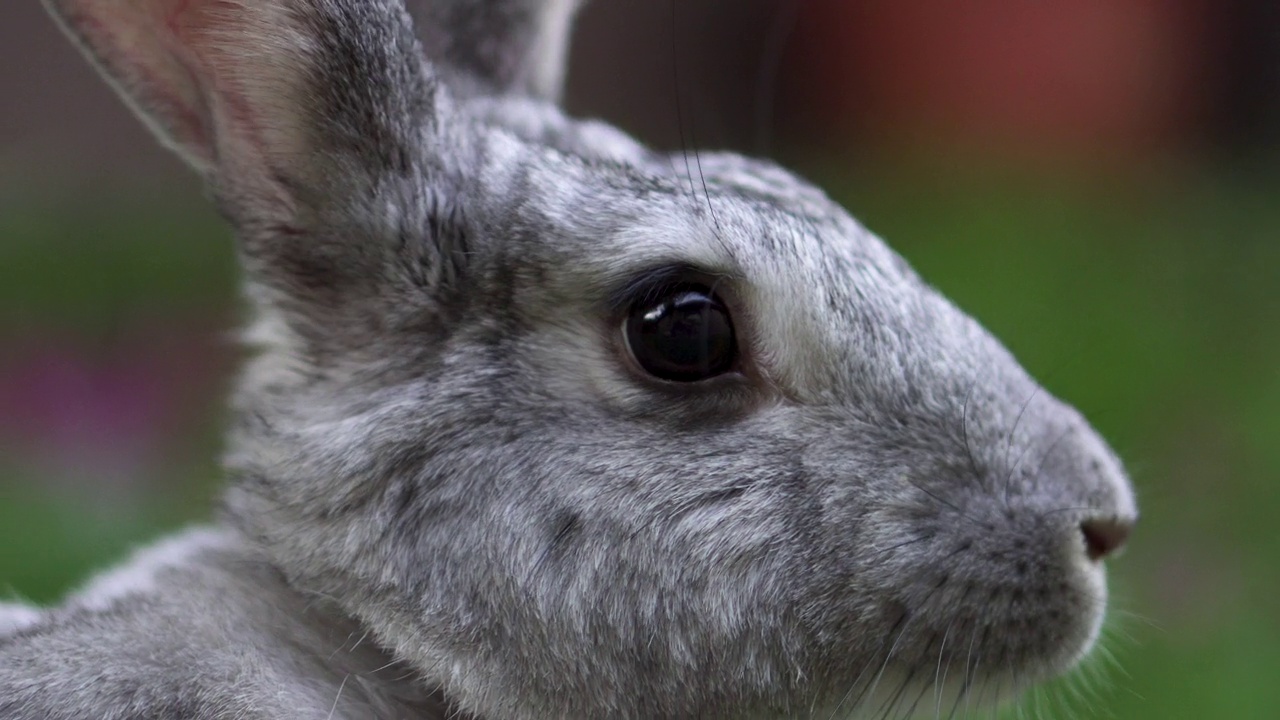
point(540, 423)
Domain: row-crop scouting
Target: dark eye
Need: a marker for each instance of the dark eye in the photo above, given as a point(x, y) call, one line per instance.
point(683, 334)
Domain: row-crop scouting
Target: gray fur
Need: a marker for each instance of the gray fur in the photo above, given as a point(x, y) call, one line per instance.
point(14, 617)
point(451, 495)
point(504, 47)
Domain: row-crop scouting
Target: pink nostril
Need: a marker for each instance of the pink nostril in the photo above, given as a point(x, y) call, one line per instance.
point(1104, 537)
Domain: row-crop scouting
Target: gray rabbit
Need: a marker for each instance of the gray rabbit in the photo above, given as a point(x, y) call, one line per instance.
point(544, 424)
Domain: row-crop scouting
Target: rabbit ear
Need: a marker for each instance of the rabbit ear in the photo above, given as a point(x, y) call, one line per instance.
point(268, 99)
point(512, 47)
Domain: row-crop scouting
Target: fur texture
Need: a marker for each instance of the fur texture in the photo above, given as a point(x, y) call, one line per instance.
point(450, 492)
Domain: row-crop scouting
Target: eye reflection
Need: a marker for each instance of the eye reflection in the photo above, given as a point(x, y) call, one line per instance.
point(682, 335)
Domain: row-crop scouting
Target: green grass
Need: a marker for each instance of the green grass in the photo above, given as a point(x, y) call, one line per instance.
point(93, 266)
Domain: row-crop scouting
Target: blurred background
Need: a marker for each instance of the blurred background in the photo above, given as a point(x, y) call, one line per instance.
point(1097, 181)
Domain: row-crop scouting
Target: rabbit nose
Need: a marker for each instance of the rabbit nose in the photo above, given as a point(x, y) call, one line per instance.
point(1104, 536)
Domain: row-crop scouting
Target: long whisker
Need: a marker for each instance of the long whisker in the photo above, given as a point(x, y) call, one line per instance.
point(964, 431)
point(692, 139)
point(675, 76)
point(940, 674)
point(896, 632)
point(1035, 477)
point(892, 702)
point(706, 194)
point(966, 685)
point(1013, 433)
point(942, 501)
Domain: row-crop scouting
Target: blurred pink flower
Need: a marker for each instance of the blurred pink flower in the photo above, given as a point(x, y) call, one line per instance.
point(108, 412)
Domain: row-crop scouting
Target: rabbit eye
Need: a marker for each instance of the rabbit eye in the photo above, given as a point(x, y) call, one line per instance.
point(683, 334)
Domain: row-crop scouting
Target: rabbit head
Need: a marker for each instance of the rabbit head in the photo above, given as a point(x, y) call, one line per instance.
point(580, 432)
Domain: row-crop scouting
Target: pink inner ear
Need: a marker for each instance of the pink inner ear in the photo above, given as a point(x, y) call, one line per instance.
point(194, 27)
point(218, 77)
point(190, 28)
point(129, 39)
point(187, 18)
point(178, 9)
point(245, 95)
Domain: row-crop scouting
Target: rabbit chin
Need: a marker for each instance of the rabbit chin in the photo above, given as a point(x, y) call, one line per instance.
point(951, 685)
point(941, 662)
